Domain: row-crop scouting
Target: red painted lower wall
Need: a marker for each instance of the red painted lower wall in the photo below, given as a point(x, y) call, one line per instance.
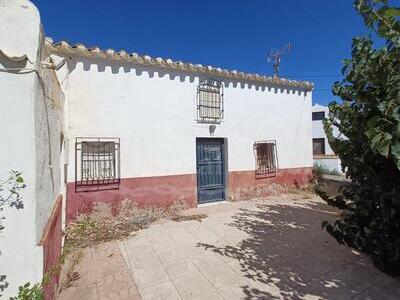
point(163, 190)
point(144, 191)
point(244, 184)
point(52, 242)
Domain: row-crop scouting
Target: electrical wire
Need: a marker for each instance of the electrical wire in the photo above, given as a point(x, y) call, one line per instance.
point(314, 75)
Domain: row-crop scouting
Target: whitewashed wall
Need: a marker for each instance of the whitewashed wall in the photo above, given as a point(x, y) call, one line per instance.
point(49, 123)
point(318, 131)
point(318, 127)
point(331, 164)
point(21, 258)
point(154, 112)
point(30, 125)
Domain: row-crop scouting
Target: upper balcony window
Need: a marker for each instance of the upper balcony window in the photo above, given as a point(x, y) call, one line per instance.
point(318, 115)
point(210, 101)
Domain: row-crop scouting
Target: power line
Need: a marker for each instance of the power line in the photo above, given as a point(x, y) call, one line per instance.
point(314, 75)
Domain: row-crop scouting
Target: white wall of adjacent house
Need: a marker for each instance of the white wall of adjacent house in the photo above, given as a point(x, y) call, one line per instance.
point(318, 127)
point(153, 112)
point(328, 161)
point(29, 125)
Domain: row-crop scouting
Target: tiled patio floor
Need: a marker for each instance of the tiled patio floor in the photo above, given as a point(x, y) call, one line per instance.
point(246, 250)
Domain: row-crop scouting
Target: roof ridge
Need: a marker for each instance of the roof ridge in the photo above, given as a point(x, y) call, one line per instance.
point(80, 49)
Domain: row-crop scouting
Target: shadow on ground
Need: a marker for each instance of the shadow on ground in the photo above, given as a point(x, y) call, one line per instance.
point(288, 256)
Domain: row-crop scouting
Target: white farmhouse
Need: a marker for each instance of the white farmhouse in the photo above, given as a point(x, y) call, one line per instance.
point(87, 125)
point(322, 153)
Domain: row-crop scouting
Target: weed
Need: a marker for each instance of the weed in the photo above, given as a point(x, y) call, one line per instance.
point(28, 292)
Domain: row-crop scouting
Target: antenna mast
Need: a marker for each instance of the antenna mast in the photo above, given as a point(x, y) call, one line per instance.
point(275, 55)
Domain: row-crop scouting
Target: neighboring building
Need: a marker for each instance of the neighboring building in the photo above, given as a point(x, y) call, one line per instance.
point(86, 125)
point(322, 153)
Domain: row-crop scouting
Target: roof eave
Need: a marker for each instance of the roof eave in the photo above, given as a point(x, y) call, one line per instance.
point(65, 48)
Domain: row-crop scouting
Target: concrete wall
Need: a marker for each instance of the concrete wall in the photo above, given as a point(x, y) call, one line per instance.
point(30, 124)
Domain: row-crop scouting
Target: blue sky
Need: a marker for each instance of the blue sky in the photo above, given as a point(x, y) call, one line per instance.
point(232, 34)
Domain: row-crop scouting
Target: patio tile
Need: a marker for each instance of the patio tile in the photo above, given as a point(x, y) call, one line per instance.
point(168, 257)
point(235, 291)
point(221, 275)
point(195, 287)
point(146, 261)
point(150, 277)
point(207, 236)
point(181, 268)
point(206, 260)
point(163, 291)
point(163, 242)
point(183, 237)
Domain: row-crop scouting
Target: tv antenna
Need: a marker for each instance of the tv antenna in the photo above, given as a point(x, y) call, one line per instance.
point(274, 56)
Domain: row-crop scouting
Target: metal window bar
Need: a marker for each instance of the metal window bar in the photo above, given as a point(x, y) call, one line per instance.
point(318, 146)
point(266, 158)
point(210, 106)
point(97, 161)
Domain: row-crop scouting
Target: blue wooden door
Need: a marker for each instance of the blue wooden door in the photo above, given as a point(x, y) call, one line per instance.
point(210, 170)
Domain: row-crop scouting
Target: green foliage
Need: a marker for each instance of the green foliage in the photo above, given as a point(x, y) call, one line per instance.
point(28, 292)
point(369, 120)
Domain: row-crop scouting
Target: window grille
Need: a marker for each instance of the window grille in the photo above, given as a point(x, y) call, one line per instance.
point(210, 101)
point(319, 146)
point(97, 163)
point(266, 158)
point(318, 115)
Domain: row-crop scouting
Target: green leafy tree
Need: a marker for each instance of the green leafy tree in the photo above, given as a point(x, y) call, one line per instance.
point(369, 145)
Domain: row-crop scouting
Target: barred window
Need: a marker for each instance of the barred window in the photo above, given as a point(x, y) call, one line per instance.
point(210, 101)
point(319, 146)
point(318, 115)
point(266, 158)
point(97, 162)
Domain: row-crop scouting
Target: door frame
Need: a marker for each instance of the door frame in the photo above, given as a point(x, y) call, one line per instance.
point(225, 173)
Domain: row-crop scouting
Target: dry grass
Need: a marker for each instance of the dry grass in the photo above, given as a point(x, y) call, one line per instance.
point(102, 226)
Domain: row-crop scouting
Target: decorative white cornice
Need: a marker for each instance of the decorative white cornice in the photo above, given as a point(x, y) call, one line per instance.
point(65, 48)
